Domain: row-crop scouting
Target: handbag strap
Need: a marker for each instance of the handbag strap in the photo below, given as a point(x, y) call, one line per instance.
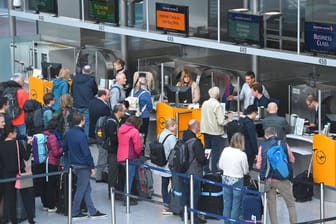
point(18, 155)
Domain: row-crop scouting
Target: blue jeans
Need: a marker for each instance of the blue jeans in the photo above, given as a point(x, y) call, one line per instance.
point(213, 142)
point(85, 112)
point(232, 200)
point(164, 190)
point(83, 191)
point(132, 169)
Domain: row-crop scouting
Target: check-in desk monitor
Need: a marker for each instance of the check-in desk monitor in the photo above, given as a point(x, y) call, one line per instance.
point(178, 96)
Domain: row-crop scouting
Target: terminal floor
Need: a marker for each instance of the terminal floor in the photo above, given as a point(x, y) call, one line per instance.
point(149, 213)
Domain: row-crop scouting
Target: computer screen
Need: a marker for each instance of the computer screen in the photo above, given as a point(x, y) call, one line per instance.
point(179, 94)
point(47, 6)
point(50, 70)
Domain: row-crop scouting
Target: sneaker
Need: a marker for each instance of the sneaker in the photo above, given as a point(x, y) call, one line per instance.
point(52, 209)
point(166, 211)
point(79, 216)
point(44, 208)
point(98, 215)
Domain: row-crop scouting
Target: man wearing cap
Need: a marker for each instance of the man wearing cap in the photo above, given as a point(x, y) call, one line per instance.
point(84, 89)
point(250, 133)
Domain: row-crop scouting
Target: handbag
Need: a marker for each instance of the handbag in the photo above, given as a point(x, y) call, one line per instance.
point(22, 183)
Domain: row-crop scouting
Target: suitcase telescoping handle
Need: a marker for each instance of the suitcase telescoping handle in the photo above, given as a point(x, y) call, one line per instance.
point(310, 163)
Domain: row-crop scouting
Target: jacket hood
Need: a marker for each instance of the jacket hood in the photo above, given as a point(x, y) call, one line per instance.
point(188, 134)
point(12, 83)
point(58, 82)
point(126, 127)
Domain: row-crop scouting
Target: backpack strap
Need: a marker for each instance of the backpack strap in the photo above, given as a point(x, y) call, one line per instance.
point(116, 87)
point(144, 107)
point(165, 138)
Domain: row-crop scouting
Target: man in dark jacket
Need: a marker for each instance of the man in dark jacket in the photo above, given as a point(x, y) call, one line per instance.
point(77, 147)
point(197, 160)
point(273, 120)
point(250, 133)
point(116, 173)
point(84, 88)
point(99, 107)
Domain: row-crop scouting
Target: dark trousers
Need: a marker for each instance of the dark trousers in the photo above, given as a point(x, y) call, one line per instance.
point(144, 128)
point(49, 190)
point(116, 173)
point(10, 201)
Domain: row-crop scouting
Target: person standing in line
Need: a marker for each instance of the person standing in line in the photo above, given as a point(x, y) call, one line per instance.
point(250, 134)
point(186, 80)
point(49, 101)
point(22, 96)
point(272, 119)
point(233, 162)
point(4, 106)
point(117, 92)
point(84, 89)
point(275, 183)
point(60, 86)
point(260, 100)
point(77, 147)
point(245, 93)
point(145, 104)
point(168, 145)
point(119, 66)
point(116, 174)
point(55, 151)
point(10, 148)
point(129, 147)
point(197, 160)
point(99, 107)
point(212, 126)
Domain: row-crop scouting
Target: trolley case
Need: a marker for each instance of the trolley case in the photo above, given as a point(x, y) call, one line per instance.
point(303, 185)
point(143, 180)
point(177, 195)
point(252, 206)
point(211, 199)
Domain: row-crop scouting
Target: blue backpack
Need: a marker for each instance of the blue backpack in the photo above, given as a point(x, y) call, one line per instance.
point(278, 166)
point(39, 148)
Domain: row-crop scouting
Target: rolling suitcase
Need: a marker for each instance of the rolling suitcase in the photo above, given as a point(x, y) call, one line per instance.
point(211, 199)
point(252, 207)
point(143, 182)
point(177, 195)
point(303, 185)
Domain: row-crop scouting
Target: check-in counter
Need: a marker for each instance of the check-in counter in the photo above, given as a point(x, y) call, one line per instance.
point(301, 146)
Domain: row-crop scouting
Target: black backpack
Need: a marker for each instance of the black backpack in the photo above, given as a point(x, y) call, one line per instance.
point(102, 137)
point(234, 127)
point(64, 118)
point(33, 117)
point(11, 93)
point(178, 159)
point(157, 152)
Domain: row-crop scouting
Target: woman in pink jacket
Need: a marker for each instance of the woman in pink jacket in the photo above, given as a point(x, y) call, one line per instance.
point(129, 146)
point(55, 151)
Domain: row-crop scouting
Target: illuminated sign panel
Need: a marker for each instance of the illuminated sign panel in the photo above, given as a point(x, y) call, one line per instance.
point(320, 37)
point(104, 11)
point(48, 6)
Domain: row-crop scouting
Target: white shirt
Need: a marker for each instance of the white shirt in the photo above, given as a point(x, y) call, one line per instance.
point(233, 162)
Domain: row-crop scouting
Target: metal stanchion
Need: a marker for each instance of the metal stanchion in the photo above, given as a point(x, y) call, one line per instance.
point(70, 196)
point(185, 214)
point(322, 215)
point(265, 209)
point(127, 188)
point(113, 211)
point(192, 198)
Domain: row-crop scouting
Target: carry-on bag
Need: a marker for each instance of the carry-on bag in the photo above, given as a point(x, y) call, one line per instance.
point(252, 206)
point(303, 185)
point(178, 196)
point(211, 200)
point(143, 181)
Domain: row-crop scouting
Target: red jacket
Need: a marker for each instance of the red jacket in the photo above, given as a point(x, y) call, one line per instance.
point(55, 151)
point(129, 142)
point(22, 97)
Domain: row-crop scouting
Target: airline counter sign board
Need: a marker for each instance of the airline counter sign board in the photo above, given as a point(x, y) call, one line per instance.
point(320, 37)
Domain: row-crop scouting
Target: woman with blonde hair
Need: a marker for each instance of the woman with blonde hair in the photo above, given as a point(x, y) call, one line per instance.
point(233, 162)
point(186, 80)
point(61, 86)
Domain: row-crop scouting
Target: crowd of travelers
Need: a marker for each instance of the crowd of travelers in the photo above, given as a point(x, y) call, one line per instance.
point(70, 115)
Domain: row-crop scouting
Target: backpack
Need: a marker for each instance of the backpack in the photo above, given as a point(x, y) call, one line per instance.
point(39, 148)
point(64, 118)
point(277, 163)
point(11, 93)
point(33, 116)
point(134, 104)
point(101, 131)
point(234, 127)
point(157, 152)
point(178, 159)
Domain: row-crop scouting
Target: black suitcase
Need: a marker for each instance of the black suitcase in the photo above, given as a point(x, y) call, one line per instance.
point(211, 199)
point(252, 207)
point(303, 187)
point(143, 181)
point(178, 196)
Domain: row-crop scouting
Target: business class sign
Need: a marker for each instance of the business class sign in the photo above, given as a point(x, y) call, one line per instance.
point(320, 37)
